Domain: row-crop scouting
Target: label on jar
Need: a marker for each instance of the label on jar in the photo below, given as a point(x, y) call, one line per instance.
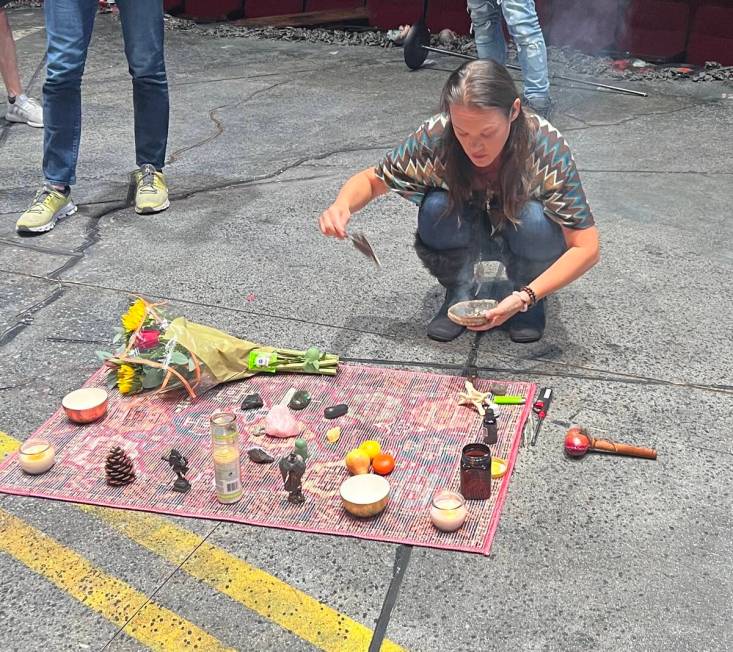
point(228, 481)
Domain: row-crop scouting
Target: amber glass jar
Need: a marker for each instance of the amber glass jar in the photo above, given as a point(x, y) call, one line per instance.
point(476, 472)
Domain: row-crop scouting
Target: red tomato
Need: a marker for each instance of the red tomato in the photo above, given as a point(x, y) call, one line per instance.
point(383, 464)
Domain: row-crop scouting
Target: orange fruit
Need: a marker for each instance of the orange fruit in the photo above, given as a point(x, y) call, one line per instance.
point(357, 461)
point(371, 448)
point(383, 463)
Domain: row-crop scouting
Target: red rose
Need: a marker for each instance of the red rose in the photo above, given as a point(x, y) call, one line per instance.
point(147, 339)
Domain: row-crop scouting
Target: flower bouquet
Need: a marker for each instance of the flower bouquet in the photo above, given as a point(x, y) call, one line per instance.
point(162, 352)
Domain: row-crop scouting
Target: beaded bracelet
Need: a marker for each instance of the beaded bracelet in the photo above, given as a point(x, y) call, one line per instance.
point(530, 293)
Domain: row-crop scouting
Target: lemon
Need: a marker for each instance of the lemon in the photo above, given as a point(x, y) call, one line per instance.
point(371, 448)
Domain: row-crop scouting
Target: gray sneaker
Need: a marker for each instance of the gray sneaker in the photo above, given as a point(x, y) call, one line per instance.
point(542, 106)
point(25, 109)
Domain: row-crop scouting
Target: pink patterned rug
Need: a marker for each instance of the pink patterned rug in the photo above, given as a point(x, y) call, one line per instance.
point(414, 416)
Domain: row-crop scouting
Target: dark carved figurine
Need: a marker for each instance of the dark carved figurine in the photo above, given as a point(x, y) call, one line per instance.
point(179, 464)
point(292, 468)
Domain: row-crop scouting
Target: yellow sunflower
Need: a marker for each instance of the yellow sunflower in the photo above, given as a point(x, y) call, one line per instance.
point(127, 380)
point(135, 316)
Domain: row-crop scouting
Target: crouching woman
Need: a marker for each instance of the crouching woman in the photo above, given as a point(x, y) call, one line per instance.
point(492, 182)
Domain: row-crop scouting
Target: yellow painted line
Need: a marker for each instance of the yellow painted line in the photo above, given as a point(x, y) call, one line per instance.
point(8, 445)
point(257, 590)
point(154, 626)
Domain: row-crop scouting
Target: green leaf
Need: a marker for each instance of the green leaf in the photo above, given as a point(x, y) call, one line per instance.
point(112, 379)
point(117, 338)
point(103, 355)
point(179, 358)
point(152, 378)
point(191, 365)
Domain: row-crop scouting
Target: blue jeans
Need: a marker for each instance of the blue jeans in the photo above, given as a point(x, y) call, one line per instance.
point(524, 27)
point(526, 250)
point(69, 25)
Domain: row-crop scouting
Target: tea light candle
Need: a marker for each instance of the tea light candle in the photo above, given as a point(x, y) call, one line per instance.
point(448, 510)
point(36, 456)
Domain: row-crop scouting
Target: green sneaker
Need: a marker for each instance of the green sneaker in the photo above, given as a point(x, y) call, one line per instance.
point(47, 208)
point(151, 194)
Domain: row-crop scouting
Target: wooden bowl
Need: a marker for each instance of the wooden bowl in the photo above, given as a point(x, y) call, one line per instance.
point(364, 495)
point(85, 405)
point(470, 313)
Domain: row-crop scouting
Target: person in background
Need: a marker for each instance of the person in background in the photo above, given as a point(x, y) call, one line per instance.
point(524, 28)
point(21, 108)
point(69, 25)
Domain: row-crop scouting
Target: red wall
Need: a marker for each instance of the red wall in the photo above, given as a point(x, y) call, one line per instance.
point(653, 29)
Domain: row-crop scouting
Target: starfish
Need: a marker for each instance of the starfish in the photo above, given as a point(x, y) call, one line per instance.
point(473, 397)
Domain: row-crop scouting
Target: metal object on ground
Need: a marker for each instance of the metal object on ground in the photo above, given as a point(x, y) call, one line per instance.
point(417, 46)
point(540, 408)
point(359, 240)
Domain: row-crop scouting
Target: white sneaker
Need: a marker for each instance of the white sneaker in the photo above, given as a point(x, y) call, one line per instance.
point(25, 109)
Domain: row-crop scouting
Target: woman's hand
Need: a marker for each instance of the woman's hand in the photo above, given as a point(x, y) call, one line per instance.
point(334, 219)
point(497, 316)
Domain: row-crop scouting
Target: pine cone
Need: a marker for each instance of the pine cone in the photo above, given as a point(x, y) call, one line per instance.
point(119, 468)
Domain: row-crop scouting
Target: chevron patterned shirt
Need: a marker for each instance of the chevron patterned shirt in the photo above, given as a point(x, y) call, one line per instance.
point(418, 165)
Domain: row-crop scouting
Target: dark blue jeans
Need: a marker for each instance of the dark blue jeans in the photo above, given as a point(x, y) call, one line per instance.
point(69, 25)
point(526, 250)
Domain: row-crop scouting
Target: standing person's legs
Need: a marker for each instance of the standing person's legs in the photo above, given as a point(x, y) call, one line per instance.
point(533, 246)
point(69, 25)
point(142, 28)
point(8, 61)
point(20, 107)
point(487, 29)
point(524, 27)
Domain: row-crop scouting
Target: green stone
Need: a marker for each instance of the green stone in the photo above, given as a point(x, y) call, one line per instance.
point(301, 399)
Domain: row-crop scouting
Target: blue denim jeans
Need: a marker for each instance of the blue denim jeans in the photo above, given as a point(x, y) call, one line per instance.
point(526, 250)
point(524, 27)
point(69, 25)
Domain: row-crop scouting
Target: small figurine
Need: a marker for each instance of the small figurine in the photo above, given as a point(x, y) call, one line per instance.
point(179, 465)
point(292, 468)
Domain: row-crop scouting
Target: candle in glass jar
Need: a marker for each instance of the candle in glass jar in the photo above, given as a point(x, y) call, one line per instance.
point(448, 510)
point(36, 456)
point(225, 444)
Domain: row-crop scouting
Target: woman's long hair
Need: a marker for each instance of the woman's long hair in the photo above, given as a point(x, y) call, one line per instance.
point(486, 84)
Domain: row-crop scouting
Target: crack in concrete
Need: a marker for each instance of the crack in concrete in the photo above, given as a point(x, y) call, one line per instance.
point(638, 116)
point(92, 236)
point(41, 250)
point(467, 368)
point(218, 124)
point(631, 171)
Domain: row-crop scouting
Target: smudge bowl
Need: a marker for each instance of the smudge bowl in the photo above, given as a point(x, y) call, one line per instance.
point(471, 313)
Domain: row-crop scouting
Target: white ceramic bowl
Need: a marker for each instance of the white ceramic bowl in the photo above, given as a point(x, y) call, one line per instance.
point(364, 495)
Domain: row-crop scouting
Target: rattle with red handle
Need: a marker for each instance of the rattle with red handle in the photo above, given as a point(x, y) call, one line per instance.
point(578, 442)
